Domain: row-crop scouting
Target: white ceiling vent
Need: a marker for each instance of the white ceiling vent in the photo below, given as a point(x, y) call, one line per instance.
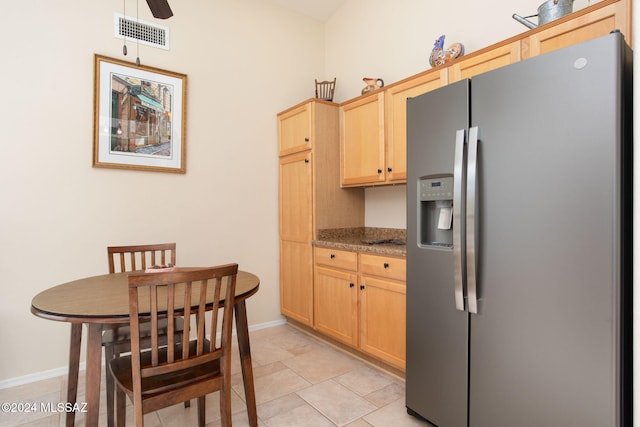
point(132, 29)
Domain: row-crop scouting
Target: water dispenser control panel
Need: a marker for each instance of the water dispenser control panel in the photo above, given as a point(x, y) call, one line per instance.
point(435, 217)
point(432, 189)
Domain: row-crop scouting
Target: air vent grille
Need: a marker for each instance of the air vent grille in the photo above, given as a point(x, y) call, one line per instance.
point(129, 28)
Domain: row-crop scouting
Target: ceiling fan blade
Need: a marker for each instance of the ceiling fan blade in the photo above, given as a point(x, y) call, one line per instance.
point(160, 9)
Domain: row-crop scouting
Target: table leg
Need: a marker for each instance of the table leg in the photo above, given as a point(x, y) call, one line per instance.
point(94, 368)
point(74, 366)
point(242, 330)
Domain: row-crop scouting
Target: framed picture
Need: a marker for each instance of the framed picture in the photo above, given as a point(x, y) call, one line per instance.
point(139, 117)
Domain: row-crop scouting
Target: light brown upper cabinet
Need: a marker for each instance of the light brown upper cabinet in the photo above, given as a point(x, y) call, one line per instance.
point(591, 22)
point(373, 132)
point(373, 135)
point(362, 140)
point(493, 58)
point(294, 130)
point(395, 99)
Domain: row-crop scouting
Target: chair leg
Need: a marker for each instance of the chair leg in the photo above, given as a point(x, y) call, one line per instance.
point(110, 386)
point(121, 408)
point(201, 411)
point(139, 415)
point(225, 406)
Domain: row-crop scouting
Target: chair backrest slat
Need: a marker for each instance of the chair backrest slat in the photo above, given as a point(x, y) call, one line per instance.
point(135, 334)
point(171, 294)
point(153, 304)
point(171, 319)
point(202, 302)
point(214, 319)
point(187, 325)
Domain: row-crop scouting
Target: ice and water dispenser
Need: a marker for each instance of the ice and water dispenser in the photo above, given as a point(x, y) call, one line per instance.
point(435, 214)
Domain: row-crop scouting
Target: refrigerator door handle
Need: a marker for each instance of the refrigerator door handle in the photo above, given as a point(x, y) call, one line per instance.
point(471, 221)
point(458, 223)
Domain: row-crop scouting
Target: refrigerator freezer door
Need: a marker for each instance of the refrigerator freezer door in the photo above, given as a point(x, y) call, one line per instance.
point(544, 345)
point(437, 333)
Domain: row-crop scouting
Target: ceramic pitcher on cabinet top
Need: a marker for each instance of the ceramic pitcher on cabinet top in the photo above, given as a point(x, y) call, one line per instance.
point(372, 84)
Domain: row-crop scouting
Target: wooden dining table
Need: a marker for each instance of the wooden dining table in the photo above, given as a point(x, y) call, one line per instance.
point(99, 301)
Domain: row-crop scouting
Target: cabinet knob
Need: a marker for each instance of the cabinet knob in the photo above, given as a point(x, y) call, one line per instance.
point(389, 170)
point(351, 285)
point(306, 160)
point(362, 287)
point(332, 256)
point(306, 140)
point(386, 265)
point(379, 170)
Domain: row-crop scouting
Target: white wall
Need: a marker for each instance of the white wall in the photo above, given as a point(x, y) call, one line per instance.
point(245, 60)
point(392, 40)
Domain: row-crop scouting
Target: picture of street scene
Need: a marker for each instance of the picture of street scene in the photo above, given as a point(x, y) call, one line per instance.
point(140, 116)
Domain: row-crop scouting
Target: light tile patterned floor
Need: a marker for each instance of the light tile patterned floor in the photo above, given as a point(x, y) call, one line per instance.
point(300, 382)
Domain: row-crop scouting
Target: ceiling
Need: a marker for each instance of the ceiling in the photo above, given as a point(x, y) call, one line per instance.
point(317, 9)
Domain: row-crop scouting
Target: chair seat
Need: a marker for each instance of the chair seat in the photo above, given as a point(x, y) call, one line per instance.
point(121, 369)
point(122, 333)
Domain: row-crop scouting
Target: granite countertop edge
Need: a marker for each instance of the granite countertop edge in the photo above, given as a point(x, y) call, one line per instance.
point(351, 239)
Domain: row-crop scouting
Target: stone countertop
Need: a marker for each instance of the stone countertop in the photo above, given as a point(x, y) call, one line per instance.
point(359, 239)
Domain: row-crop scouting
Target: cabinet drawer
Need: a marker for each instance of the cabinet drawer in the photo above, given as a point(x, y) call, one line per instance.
point(383, 266)
point(345, 260)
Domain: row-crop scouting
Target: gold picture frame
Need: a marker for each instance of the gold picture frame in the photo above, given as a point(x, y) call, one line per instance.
point(139, 117)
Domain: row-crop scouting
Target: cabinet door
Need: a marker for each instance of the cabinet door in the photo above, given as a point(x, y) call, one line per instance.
point(582, 28)
point(362, 141)
point(296, 281)
point(336, 304)
point(296, 233)
point(383, 319)
point(296, 197)
point(294, 129)
point(395, 100)
point(483, 62)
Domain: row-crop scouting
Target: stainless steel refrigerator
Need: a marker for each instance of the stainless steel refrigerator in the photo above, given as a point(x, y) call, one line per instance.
point(519, 244)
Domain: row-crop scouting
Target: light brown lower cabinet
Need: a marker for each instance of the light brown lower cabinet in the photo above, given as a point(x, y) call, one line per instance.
point(360, 300)
point(296, 281)
point(383, 308)
point(336, 304)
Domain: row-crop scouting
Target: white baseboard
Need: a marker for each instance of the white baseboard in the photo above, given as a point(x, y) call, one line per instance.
point(36, 376)
point(58, 372)
point(267, 325)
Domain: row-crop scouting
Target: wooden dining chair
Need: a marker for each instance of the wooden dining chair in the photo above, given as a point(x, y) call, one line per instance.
point(325, 89)
point(116, 339)
point(183, 369)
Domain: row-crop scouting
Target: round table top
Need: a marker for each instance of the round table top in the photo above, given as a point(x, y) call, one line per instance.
point(105, 298)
